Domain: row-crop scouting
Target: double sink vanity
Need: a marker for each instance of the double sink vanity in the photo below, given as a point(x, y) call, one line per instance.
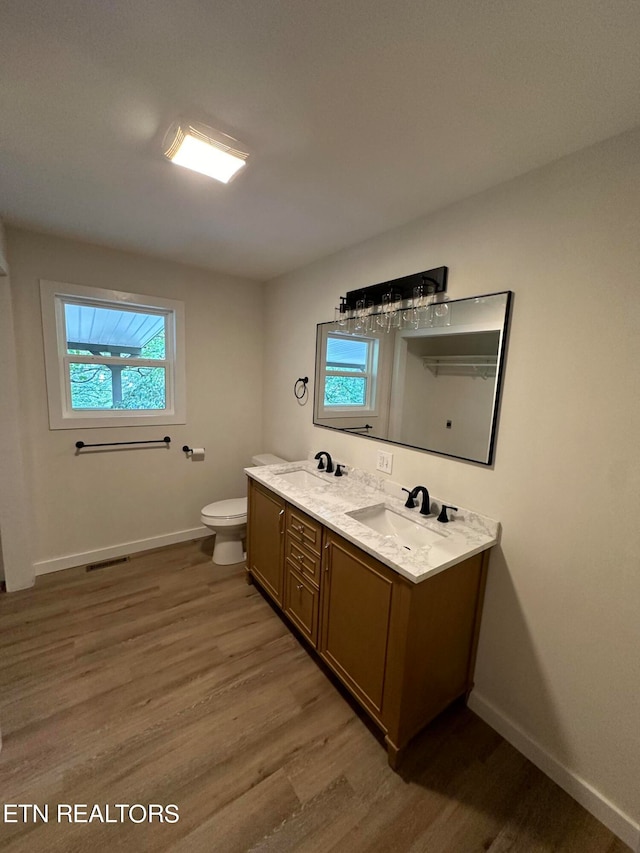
point(389, 599)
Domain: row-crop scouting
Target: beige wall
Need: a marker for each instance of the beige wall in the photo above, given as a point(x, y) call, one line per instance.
point(83, 504)
point(558, 656)
point(16, 567)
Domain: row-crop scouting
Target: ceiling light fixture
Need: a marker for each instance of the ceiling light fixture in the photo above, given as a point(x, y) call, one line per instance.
point(204, 150)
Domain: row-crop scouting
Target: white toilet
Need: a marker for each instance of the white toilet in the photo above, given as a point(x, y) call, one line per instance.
point(228, 520)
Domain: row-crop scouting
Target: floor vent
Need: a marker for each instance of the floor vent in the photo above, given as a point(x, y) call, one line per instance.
point(106, 563)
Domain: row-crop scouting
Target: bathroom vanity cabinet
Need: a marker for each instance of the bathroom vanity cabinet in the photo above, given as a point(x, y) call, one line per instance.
point(404, 650)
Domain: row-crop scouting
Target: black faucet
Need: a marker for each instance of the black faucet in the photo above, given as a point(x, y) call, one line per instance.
point(321, 463)
point(425, 508)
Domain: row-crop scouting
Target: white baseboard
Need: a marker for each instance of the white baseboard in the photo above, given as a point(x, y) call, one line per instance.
point(592, 800)
point(56, 565)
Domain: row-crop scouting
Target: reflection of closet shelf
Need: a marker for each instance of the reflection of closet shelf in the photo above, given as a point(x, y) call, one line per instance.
point(461, 365)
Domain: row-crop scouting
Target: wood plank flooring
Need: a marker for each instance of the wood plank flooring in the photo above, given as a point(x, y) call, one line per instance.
point(169, 680)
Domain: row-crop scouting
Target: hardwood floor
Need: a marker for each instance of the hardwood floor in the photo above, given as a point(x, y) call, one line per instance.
point(170, 680)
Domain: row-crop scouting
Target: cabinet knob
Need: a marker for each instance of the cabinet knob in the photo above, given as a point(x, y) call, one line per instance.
point(300, 558)
point(299, 586)
point(298, 528)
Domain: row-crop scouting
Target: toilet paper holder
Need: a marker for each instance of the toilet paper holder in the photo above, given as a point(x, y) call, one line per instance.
point(198, 452)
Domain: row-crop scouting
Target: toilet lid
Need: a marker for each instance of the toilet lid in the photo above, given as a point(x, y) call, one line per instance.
point(233, 508)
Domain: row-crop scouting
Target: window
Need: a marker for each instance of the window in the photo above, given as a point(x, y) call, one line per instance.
point(112, 358)
point(348, 375)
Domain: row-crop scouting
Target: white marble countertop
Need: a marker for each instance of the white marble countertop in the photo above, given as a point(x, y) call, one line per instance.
point(329, 501)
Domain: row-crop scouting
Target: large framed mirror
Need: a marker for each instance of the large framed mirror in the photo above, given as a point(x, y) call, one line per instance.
point(427, 377)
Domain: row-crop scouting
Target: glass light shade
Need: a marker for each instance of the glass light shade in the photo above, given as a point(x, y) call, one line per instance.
point(202, 153)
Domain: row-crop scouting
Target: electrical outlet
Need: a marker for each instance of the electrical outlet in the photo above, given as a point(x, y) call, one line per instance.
point(385, 461)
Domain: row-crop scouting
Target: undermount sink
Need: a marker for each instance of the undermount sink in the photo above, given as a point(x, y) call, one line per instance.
point(407, 533)
point(303, 479)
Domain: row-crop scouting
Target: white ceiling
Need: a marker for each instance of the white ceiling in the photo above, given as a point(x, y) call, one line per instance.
point(360, 115)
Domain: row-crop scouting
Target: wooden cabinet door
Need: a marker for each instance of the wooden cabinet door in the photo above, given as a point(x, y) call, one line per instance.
point(301, 604)
point(357, 595)
point(265, 536)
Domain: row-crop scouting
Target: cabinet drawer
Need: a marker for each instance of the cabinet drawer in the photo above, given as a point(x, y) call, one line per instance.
point(306, 562)
point(304, 529)
point(301, 604)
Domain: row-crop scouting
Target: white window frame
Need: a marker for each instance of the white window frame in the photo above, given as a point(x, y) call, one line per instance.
point(370, 374)
point(54, 295)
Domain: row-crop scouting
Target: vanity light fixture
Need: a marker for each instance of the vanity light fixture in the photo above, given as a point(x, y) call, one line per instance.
point(392, 299)
point(204, 150)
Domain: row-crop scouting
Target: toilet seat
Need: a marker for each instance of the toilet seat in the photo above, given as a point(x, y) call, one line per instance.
point(234, 509)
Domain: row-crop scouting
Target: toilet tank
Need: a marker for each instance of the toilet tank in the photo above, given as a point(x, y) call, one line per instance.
point(266, 459)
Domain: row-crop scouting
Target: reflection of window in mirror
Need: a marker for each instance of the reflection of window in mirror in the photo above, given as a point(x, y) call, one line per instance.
point(348, 374)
